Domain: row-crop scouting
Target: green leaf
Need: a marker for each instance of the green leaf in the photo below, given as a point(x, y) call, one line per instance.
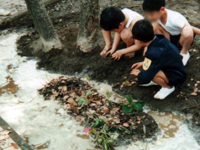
point(112, 129)
point(129, 99)
point(89, 94)
point(105, 128)
point(126, 109)
point(127, 83)
point(106, 145)
point(128, 132)
point(88, 78)
point(97, 123)
point(108, 94)
point(93, 131)
point(82, 101)
point(114, 136)
point(121, 129)
point(138, 106)
point(99, 140)
point(134, 120)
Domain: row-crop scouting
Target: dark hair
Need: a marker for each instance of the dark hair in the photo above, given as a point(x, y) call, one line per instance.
point(153, 5)
point(111, 17)
point(143, 31)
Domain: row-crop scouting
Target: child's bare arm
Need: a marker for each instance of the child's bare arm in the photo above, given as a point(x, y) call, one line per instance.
point(115, 44)
point(107, 38)
point(196, 30)
point(130, 49)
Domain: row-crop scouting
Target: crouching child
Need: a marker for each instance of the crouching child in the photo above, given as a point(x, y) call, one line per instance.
point(121, 23)
point(162, 64)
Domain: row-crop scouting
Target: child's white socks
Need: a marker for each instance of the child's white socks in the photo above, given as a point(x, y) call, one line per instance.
point(163, 93)
point(186, 58)
point(149, 84)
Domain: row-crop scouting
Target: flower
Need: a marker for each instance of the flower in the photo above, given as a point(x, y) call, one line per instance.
point(87, 130)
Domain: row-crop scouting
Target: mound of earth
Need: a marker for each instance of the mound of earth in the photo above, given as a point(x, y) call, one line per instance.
point(108, 122)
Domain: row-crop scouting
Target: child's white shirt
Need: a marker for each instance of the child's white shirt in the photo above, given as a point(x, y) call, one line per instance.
point(175, 22)
point(131, 14)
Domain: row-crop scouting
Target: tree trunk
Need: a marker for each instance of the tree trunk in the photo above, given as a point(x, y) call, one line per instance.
point(89, 22)
point(43, 25)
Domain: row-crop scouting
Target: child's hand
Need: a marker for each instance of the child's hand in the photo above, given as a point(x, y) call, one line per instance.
point(103, 53)
point(117, 55)
point(135, 72)
point(110, 52)
point(105, 50)
point(137, 65)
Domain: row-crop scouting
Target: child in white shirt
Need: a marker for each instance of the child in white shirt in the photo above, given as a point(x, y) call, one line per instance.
point(173, 25)
point(121, 23)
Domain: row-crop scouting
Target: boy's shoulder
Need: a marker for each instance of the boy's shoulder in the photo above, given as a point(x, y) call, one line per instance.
point(174, 14)
point(158, 46)
point(129, 11)
point(159, 42)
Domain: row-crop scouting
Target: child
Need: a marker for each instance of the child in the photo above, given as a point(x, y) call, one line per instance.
point(120, 22)
point(172, 25)
point(163, 62)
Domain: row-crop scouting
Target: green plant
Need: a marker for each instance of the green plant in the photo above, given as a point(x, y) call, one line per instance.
point(83, 101)
point(88, 78)
point(98, 123)
point(108, 94)
point(104, 136)
point(132, 105)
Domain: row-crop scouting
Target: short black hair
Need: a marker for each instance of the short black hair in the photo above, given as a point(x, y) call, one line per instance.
point(153, 5)
point(143, 31)
point(111, 17)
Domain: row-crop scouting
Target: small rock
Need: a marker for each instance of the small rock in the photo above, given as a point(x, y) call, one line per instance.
point(9, 128)
point(4, 12)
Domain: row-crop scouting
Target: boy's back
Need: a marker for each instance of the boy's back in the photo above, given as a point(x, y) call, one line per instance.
point(132, 16)
point(163, 55)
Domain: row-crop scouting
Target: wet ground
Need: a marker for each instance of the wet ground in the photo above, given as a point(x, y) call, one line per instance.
point(70, 61)
point(46, 125)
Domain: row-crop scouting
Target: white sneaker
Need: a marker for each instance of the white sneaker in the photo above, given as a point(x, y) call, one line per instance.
point(163, 93)
point(186, 58)
point(149, 84)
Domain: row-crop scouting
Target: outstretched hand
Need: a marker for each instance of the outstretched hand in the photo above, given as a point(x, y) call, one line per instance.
point(137, 65)
point(110, 52)
point(135, 72)
point(105, 51)
point(117, 55)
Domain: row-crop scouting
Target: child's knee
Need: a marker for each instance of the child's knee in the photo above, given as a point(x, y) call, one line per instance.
point(188, 33)
point(157, 28)
point(125, 35)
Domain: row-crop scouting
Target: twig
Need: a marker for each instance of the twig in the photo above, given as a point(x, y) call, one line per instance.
point(34, 98)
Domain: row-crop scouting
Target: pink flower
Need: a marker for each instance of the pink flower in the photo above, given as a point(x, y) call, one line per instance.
point(87, 130)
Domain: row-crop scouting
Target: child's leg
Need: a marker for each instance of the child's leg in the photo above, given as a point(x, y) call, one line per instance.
point(107, 38)
point(158, 29)
point(187, 37)
point(163, 81)
point(127, 37)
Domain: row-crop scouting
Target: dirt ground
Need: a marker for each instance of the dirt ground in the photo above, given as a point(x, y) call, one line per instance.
point(71, 61)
